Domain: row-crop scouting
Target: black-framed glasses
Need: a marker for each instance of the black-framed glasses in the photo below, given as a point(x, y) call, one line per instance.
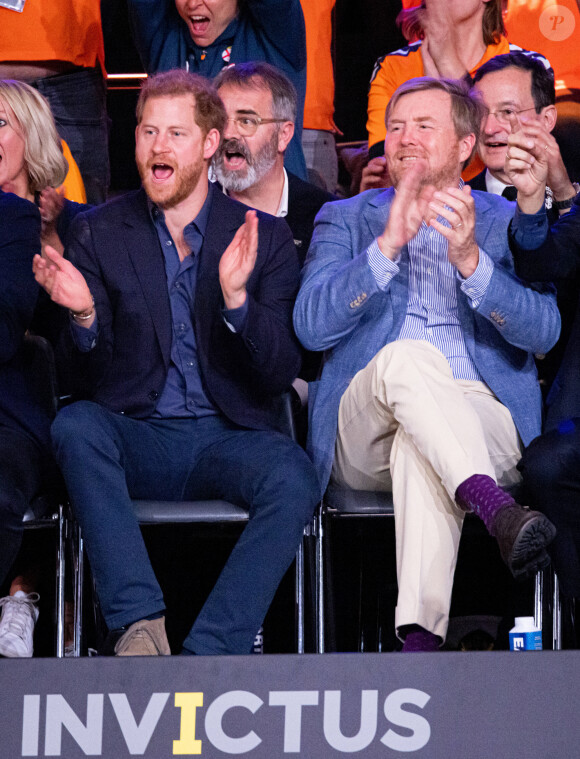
point(502, 115)
point(248, 124)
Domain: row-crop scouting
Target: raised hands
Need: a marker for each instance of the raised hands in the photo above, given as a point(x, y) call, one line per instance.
point(238, 261)
point(439, 50)
point(375, 174)
point(63, 282)
point(458, 208)
point(527, 161)
point(408, 210)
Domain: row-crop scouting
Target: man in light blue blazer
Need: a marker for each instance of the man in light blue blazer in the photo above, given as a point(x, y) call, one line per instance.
point(429, 386)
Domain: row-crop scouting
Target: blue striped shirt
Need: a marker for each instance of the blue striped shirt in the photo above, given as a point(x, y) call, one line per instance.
point(432, 313)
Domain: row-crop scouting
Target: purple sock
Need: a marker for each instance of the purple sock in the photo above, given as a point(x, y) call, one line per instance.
point(419, 639)
point(480, 494)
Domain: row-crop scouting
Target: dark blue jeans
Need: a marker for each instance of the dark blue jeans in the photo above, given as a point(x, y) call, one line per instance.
point(78, 103)
point(108, 458)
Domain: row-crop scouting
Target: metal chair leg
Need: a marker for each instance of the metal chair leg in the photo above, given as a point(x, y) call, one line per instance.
point(539, 599)
point(299, 595)
point(319, 581)
point(556, 614)
point(78, 580)
point(60, 581)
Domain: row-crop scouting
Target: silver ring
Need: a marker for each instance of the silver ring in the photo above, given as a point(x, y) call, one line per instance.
point(458, 225)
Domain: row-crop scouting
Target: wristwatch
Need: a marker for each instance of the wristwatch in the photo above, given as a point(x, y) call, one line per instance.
point(561, 205)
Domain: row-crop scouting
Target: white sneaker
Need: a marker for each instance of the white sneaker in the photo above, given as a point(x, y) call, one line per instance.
point(19, 616)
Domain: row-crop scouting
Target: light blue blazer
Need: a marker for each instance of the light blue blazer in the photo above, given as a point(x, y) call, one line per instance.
point(341, 310)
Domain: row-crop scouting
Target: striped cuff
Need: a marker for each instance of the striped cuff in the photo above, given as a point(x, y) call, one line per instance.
point(383, 268)
point(476, 285)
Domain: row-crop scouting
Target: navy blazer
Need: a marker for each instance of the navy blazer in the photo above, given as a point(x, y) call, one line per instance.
point(117, 249)
point(19, 242)
point(554, 256)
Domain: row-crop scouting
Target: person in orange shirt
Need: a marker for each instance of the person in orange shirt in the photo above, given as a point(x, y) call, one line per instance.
point(57, 47)
point(454, 38)
point(319, 129)
point(553, 28)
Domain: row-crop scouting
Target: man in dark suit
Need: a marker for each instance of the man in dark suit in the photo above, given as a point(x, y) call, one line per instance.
point(181, 331)
point(551, 463)
point(261, 104)
point(518, 84)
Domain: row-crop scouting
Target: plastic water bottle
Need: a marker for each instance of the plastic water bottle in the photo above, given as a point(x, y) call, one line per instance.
point(525, 636)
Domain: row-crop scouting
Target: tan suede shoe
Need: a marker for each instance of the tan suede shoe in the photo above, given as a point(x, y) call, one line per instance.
point(147, 637)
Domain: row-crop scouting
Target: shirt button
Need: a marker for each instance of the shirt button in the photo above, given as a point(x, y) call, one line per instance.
point(178, 285)
point(168, 243)
point(181, 327)
point(191, 404)
point(190, 364)
point(153, 395)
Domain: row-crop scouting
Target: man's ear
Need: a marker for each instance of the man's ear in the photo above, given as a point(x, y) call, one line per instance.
point(548, 116)
point(211, 143)
point(466, 146)
point(285, 134)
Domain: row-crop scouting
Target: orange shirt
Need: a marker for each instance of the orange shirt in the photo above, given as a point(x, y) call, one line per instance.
point(53, 30)
point(319, 104)
point(552, 27)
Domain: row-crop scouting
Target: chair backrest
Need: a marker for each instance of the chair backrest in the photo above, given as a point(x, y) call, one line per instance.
point(40, 367)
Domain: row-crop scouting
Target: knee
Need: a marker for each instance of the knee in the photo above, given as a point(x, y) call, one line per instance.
point(294, 485)
point(551, 459)
point(75, 427)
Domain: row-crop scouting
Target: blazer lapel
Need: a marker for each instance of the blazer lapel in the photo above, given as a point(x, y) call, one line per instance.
point(145, 252)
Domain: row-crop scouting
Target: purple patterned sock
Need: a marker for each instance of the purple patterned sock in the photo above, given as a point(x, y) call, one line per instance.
point(419, 639)
point(480, 494)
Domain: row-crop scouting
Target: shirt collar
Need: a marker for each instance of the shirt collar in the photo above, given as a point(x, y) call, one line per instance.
point(200, 220)
point(493, 184)
point(283, 207)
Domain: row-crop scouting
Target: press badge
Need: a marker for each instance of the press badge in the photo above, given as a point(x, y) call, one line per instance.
point(13, 5)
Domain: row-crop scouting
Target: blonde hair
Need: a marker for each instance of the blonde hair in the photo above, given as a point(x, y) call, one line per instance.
point(45, 164)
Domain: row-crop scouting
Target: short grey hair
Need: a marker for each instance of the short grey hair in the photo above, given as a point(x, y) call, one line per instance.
point(260, 75)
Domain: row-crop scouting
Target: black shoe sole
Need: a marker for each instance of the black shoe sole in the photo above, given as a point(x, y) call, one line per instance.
point(528, 554)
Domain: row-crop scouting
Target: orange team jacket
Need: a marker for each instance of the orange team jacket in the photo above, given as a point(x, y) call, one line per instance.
point(319, 103)
point(553, 28)
point(53, 30)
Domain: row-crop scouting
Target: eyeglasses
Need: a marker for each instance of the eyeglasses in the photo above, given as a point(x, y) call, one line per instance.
point(248, 125)
point(502, 115)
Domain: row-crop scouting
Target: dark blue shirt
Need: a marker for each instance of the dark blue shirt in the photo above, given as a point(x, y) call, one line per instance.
point(184, 394)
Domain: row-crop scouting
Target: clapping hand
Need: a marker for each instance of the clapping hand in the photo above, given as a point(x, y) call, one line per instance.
point(62, 281)
point(238, 261)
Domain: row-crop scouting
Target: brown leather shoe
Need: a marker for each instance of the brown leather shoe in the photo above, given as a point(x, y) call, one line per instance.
point(523, 536)
point(147, 637)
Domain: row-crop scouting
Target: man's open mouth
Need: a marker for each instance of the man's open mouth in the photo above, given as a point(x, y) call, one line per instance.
point(235, 155)
point(161, 171)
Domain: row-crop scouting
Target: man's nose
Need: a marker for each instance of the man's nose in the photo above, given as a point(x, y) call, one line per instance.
point(160, 143)
point(491, 124)
point(408, 134)
point(231, 129)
